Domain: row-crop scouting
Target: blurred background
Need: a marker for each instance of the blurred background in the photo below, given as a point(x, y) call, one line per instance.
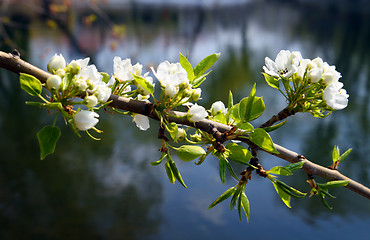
point(108, 190)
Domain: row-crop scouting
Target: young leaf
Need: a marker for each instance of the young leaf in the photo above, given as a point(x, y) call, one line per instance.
point(175, 171)
point(235, 197)
point(283, 195)
point(231, 170)
point(271, 81)
point(335, 154)
point(230, 102)
point(295, 166)
point(332, 184)
point(345, 155)
point(145, 84)
point(262, 139)
point(278, 170)
point(205, 64)
point(245, 204)
point(30, 84)
point(290, 190)
point(190, 152)
point(187, 66)
point(164, 154)
point(238, 153)
point(169, 172)
point(222, 169)
point(106, 77)
point(274, 127)
point(223, 197)
point(48, 137)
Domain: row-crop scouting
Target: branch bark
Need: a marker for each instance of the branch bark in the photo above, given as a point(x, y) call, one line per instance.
point(13, 62)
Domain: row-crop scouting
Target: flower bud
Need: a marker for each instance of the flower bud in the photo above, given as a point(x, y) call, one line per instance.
point(60, 72)
point(195, 94)
point(80, 84)
point(170, 90)
point(56, 62)
point(181, 134)
point(84, 120)
point(91, 101)
point(53, 82)
point(74, 67)
point(217, 107)
point(103, 93)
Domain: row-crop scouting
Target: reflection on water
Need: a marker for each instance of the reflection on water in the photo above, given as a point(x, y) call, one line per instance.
point(108, 189)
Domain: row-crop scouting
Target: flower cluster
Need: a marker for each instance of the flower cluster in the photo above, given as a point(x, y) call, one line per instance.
point(70, 80)
point(310, 85)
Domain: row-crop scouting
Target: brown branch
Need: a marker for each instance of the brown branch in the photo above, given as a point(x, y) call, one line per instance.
point(13, 63)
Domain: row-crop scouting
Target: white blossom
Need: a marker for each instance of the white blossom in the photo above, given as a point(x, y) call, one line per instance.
point(285, 64)
point(181, 134)
point(197, 113)
point(123, 69)
point(84, 120)
point(217, 107)
point(91, 101)
point(195, 94)
point(335, 96)
point(53, 82)
point(171, 76)
point(314, 75)
point(142, 122)
point(56, 62)
point(102, 92)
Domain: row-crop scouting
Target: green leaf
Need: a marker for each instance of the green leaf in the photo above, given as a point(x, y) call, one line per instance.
point(332, 184)
point(245, 205)
point(30, 84)
point(164, 154)
point(262, 139)
point(173, 129)
point(290, 190)
point(231, 170)
point(230, 102)
point(222, 169)
point(295, 166)
point(285, 197)
point(246, 126)
point(278, 170)
point(271, 81)
point(205, 64)
point(190, 152)
point(52, 105)
point(106, 77)
point(345, 155)
point(238, 153)
point(187, 66)
point(235, 197)
point(335, 154)
point(251, 107)
point(274, 127)
point(223, 197)
point(145, 84)
point(48, 137)
point(175, 171)
point(322, 198)
point(235, 113)
point(169, 172)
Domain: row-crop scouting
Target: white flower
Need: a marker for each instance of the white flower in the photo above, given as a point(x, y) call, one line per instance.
point(102, 92)
point(195, 94)
point(74, 66)
point(53, 82)
point(56, 62)
point(123, 69)
point(91, 101)
point(84, 120)
point(335, 96)
point(171, 75)
point(331, 76)
point(314, 74)
point(82, 62)
point(197, 113)
point(91, 75)
point(217, 107)
point(286, 63)
point(142, 122)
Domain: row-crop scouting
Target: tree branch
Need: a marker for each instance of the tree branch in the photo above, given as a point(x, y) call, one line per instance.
point(12, 62)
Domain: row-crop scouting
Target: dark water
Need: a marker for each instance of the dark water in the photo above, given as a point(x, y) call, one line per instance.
point(108, 190)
